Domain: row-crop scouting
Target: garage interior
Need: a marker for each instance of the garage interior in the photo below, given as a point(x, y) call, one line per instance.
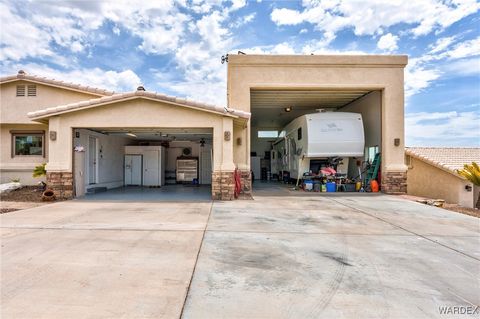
point(273, 109)
point(151, 163)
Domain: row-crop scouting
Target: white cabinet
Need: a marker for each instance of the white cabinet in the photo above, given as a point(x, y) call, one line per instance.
point(133, 170)
point(153, 164)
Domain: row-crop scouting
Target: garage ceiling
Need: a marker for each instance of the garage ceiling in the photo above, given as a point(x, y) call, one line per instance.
point(159, 134)
point(268, 106)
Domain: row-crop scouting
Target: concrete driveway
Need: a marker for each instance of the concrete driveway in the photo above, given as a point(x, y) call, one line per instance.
point(275, 257)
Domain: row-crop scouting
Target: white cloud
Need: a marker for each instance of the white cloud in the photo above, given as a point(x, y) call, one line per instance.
point(442, 44)
point(418, 77)
point(464, 49)
point(126, 80)
point(237, 4)
point(243, 20)
point(388, 42)
point(287, 17)
point(332, 16)
point(442, 128)
point(283, 48)
point(463, 67)
point(17, 35)
point(303, 31)
point(211, 30)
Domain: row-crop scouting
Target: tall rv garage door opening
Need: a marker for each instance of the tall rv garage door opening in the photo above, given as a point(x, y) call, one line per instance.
point(143, 163)
point(299, 135)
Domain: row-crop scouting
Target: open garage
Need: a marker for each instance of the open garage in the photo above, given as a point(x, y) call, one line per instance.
point(279, 151)
point(139, 144)
point(145, 161)
point(331, 95)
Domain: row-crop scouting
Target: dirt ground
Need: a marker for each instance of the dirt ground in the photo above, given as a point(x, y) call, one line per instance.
point(451, 207)
point(22, 198)
point(24, 194)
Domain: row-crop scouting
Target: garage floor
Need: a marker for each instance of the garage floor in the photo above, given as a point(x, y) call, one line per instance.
point(273, 257)
point(170, 193)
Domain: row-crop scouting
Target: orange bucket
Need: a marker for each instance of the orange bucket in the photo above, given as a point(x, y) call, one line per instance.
point(374, 186)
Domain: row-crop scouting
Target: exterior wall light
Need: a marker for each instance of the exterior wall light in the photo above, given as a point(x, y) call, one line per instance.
point(288, 109)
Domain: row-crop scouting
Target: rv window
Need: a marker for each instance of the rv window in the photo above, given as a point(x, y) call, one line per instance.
point(267, 134)
point(299, 133)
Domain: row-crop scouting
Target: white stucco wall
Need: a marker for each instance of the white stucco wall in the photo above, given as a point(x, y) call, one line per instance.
point(370, 106)
point(110, 160)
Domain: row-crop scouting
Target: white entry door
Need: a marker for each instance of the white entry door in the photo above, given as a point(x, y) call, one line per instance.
point(133, 169)
point(92, 160)
point(151, 169)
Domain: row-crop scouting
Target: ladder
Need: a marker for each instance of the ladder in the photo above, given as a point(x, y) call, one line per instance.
point(372, 172)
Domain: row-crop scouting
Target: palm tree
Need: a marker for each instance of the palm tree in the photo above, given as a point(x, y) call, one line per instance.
point(472, 173)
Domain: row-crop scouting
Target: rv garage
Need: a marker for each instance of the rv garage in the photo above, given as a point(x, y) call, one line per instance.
point(279, 89)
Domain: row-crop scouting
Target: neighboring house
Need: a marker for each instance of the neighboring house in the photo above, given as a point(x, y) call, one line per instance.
point(86, 135)
point(432, 173)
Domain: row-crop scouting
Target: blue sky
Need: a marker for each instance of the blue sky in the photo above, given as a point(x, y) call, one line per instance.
point(175, 47)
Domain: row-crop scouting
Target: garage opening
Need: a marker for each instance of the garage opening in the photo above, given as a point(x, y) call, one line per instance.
point(326, 140)
point(143, 163)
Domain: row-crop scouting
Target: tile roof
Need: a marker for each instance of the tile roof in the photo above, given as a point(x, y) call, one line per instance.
point(41, 114)
point(447, 158)
point(52, 82)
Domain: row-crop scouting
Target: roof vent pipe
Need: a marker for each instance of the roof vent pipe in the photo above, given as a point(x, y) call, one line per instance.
point(140, 88)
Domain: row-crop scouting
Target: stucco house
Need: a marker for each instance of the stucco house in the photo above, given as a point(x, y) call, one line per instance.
point(432, 173)
point(84, 134)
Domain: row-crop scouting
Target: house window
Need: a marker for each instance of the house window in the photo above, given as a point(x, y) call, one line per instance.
point(28, 143)
point(20, 90)
point(299, 133)
point(267, 134)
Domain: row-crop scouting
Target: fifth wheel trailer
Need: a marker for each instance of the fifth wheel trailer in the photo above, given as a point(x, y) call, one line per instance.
point(324, 135)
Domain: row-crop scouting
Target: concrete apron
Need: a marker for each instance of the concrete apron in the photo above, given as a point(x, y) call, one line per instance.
point(80, 259)
point(334, 257)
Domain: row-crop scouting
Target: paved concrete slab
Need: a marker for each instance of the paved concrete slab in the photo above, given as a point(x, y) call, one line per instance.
point(78, 214)
point(340, 256)
point(99, 259)
point(334, 257)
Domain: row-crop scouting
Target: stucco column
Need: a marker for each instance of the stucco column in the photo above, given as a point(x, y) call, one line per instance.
point(59, 166)
point(60, 149)
point(223, 182)
point(394, 177)
point(227, 150)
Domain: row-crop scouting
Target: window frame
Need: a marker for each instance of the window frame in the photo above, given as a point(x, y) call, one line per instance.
point(269, 131)
point(14, 134)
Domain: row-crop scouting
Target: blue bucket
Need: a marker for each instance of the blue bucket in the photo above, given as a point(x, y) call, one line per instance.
point(331, 187)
